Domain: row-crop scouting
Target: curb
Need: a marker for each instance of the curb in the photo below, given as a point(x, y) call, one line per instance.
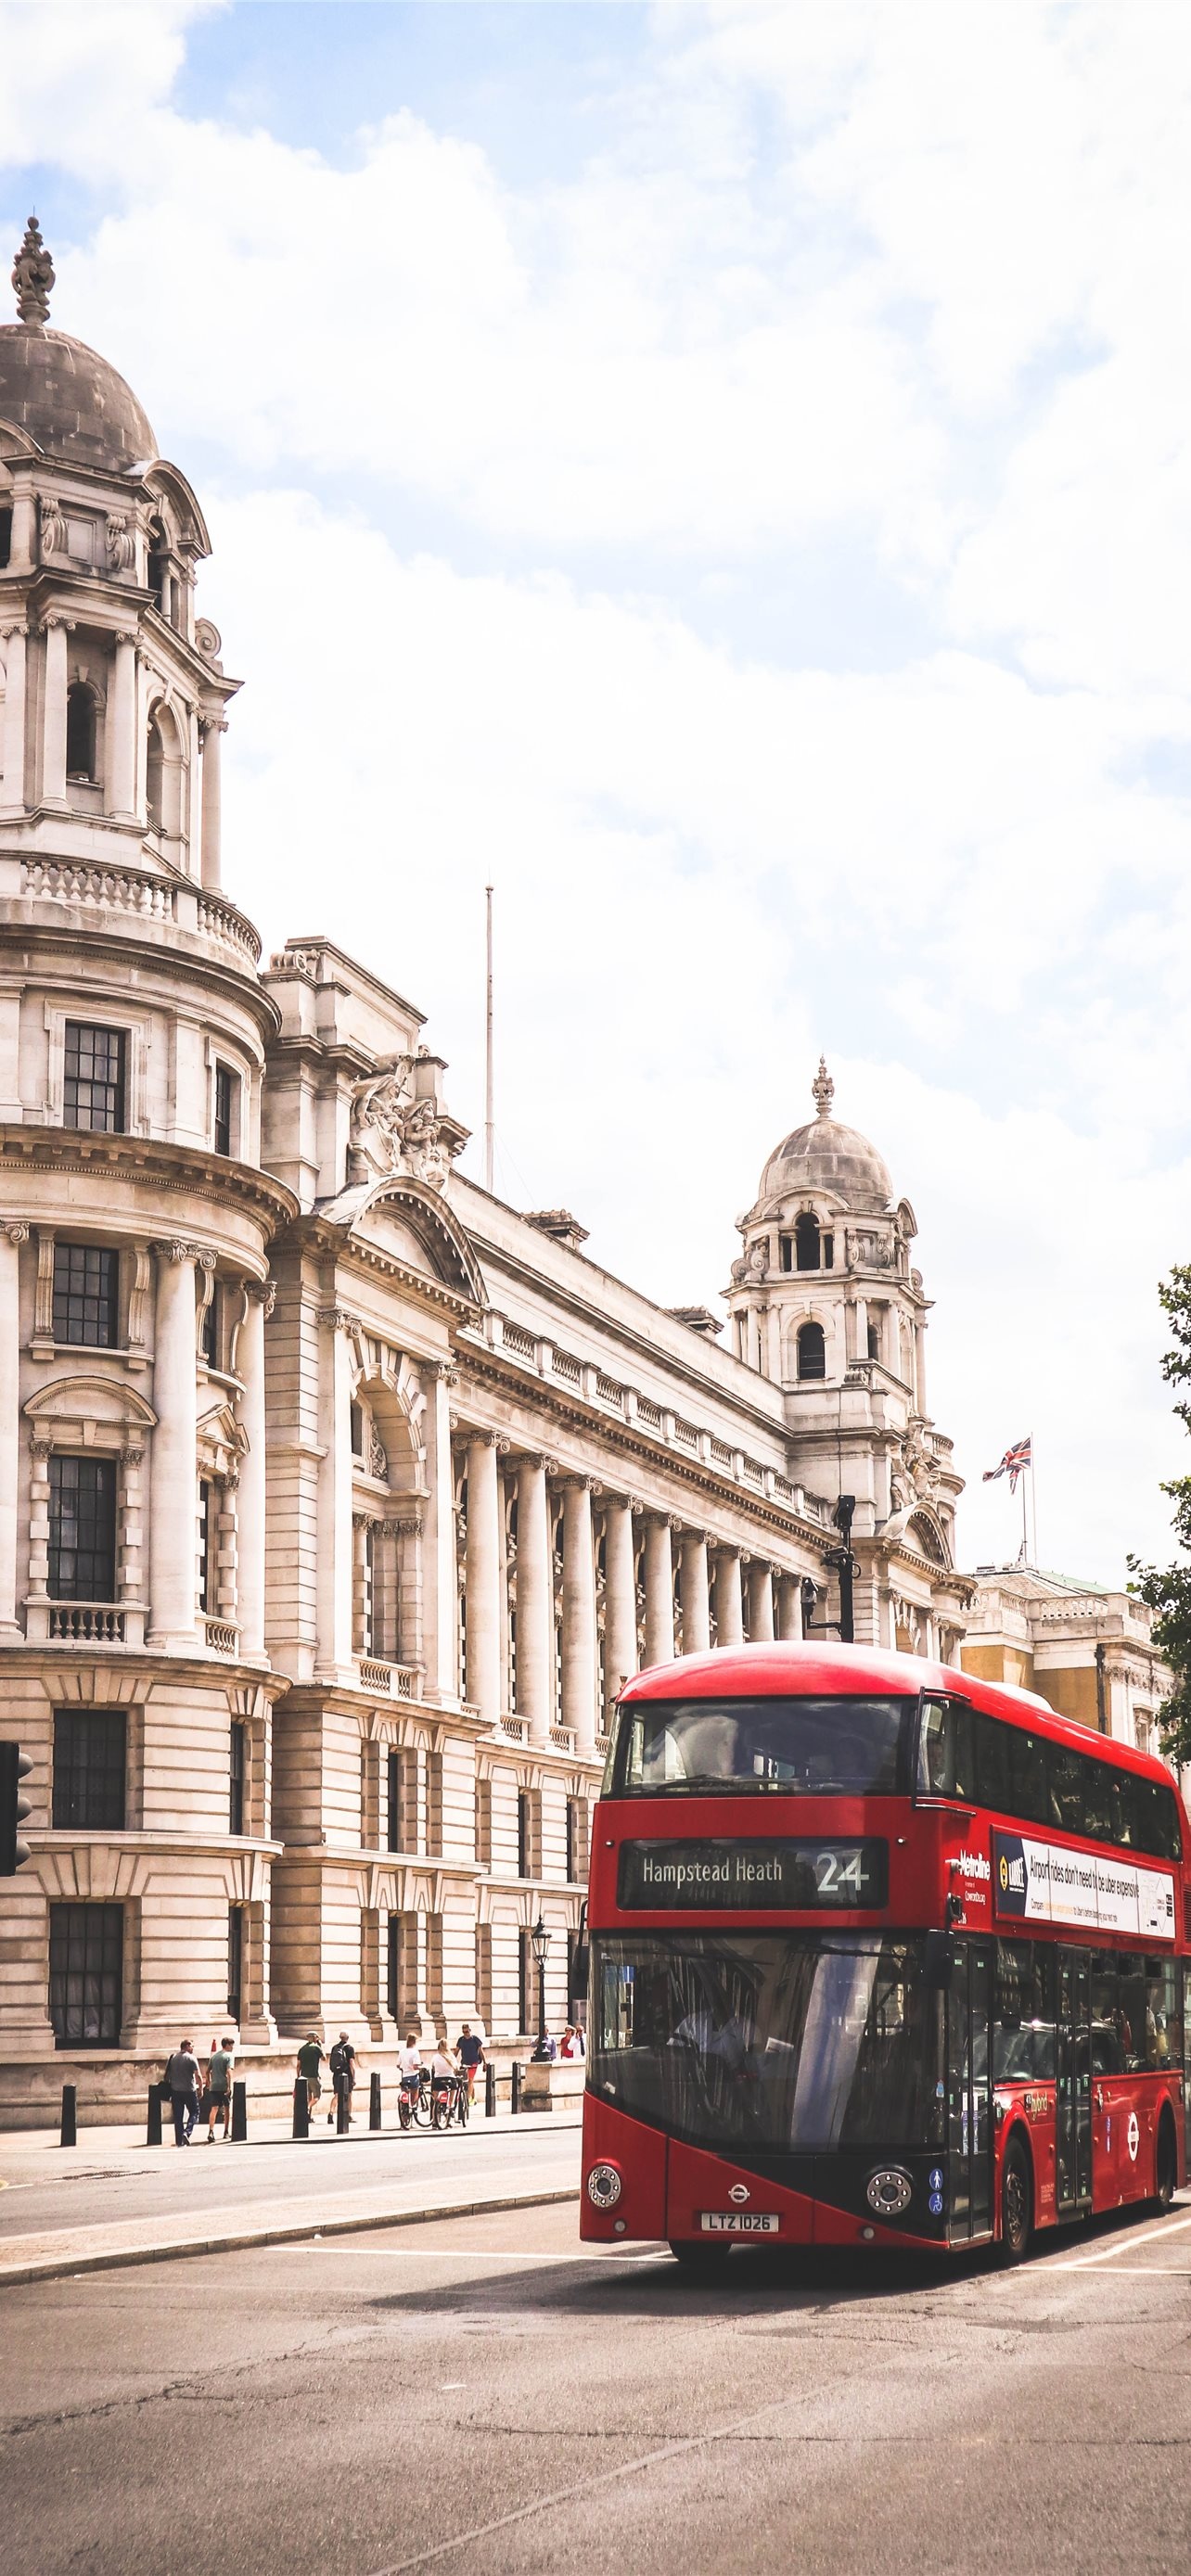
point(232, 2241)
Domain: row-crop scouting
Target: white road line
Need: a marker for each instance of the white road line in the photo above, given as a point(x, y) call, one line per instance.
point(485, 2254)
point(1125, 2245)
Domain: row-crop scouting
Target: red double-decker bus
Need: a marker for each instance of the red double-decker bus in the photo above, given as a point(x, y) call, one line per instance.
point(880, 1955)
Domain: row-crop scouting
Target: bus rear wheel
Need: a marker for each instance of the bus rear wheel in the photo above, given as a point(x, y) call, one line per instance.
point(1017, 2204)
point(696, 2256)
point(1166, 2168)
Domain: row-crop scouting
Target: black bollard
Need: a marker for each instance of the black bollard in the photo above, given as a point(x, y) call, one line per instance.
point(515, 2090)
point(343, 2106)
point(153, 2126)
point(489, 2092)
point(70, 2116)
point(301, 2108)
point(374, 2103)
point(239, 2114)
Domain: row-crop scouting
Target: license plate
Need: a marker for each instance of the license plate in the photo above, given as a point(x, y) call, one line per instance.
point(739, 2222)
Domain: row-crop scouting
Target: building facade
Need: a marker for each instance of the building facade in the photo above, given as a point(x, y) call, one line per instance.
point(1087, 1650)
point(337, 1498)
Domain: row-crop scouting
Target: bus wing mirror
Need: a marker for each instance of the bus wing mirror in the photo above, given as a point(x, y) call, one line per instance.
point(938, 1962)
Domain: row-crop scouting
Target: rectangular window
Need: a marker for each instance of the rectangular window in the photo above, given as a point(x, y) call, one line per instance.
point(210, 1327)
point(524, 1828)
point(226, 1088)
point(524, 1982)
point(1027, 1777)
point(235, 1960)
point(403, 1798)
point(86, 1975)
point(89, 1767)
point(86, 1295)
point(237, 1778)
point(82, 1529)
point(394, 1994)
point(93, 1094)
point(204, 1547)
point(434, 1802)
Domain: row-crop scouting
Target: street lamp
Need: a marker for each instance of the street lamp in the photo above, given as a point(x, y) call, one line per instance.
point(539, 1942)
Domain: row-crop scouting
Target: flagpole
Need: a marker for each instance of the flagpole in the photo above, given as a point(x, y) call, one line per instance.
point(489, 1126)
point(1033, 1503)
point(1025, 1539)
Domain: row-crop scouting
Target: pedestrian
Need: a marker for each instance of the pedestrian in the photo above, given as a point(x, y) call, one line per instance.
point(570, 2047)
point(470, 2053)
point(310, 2059)
point(343, 2075)
point(547, 2047)
point(182, 2077)
point(220, 2067)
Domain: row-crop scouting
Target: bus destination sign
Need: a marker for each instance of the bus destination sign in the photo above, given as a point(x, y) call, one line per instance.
point(751, 1875)
point(1050, 1883)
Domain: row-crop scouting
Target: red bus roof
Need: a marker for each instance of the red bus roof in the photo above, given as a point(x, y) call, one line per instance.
point(840, 1672)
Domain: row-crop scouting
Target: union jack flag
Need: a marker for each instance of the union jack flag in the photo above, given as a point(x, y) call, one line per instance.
point(1012, 1465)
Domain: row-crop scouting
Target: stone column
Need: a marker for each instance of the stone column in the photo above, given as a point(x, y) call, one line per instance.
point(760, 1584)
point(659, 1590)
point(729, 1621)
point(483, 1576)
point(53, 739)
point(122, 775)
point(12, 1235)
point(789, 1609)
point(250, 1536)
point(172, 1566)
point(361, 1585)
point(333, 1588)
point(213, 727)
point(534, 1602)
point(440, 1567)
point(13, 788)
point(578, 1614)
point(620, 1601)
point(692, 1585)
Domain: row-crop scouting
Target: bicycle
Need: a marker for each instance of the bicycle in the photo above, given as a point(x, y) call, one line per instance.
point(413, 2099)
point(448, 2102)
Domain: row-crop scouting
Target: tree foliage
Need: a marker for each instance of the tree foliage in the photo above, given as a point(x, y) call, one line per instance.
point(1167, 1589)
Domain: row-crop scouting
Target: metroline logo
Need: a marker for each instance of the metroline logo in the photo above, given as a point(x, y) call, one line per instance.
point(972, 1865)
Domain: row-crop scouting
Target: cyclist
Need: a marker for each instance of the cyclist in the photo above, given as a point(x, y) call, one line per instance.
point(470, 2053)
point(444, 2082)
point(409, 2071)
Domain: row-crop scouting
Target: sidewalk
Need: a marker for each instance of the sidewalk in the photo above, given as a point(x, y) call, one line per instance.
point(269, 2190)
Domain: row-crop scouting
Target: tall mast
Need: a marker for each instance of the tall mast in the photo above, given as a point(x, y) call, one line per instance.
point(489, 1131)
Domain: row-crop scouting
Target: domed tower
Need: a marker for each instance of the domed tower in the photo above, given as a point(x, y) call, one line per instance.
point(824, 1302)
point(135, 1225)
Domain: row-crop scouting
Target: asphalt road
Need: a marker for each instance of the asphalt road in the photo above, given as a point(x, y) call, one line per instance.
point(161, 2182)
point(483, 2393)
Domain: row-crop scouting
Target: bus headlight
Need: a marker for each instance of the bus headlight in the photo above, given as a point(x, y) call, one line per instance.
point(603, 2186)
point(889, 2191)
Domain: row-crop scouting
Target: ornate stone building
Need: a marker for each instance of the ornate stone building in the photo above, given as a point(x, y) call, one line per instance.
point(1088, 1650)
point(336, 1497)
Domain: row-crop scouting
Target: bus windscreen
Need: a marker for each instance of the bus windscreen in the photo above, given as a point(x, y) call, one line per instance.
point(799, 1748)
point(774, 2040)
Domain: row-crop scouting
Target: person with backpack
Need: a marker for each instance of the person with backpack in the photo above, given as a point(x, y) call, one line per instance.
point(183, 2079)
point(343, 2075)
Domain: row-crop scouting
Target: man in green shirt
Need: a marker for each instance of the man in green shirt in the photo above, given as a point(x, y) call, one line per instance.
point(219, 2089)
point(310, 2058)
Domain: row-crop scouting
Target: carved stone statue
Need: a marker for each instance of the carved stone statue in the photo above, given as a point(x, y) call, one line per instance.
point(121, 544)
point(53, 526)
point(393, 1131)
point(32, 277)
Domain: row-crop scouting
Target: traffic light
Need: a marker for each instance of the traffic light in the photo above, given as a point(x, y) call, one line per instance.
point(14, 1765)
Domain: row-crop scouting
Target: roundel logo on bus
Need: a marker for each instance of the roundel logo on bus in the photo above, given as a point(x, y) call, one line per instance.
point(738, 2191)
point(1133, 2137)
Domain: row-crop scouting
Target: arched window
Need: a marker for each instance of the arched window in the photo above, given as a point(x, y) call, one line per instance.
point(812, 1351)
point(155, 775)
point(806, 1242)
point(80, 731)
point(163, 775)
point(159, 566)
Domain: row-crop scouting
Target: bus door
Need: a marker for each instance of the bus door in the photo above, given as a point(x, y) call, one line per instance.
point(969, 2101)
point(1073, 2090)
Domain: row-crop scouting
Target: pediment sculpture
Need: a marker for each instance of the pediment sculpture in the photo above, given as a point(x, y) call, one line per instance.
point(392, 1130)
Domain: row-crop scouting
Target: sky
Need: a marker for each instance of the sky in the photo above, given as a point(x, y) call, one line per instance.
point(719, 474)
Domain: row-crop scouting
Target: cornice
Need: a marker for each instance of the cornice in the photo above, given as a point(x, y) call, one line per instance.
point(145, 1667)
point(627, 1442)
point(315, 1234)
point(185, 1169)
point(204, 964)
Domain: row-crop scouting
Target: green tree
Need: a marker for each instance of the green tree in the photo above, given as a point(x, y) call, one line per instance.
point(1167, 1589)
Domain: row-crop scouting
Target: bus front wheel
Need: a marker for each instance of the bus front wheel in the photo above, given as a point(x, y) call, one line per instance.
point(1165, 2163)
point(1017, 2203)
point(695, 2255)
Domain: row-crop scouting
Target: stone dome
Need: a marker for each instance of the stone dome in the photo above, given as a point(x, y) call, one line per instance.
point(57, 390)
point(70, 400)
point(827, 1156)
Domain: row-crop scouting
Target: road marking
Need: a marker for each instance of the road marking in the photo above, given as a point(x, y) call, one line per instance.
point(1126, 2245)
point(484, 2254)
